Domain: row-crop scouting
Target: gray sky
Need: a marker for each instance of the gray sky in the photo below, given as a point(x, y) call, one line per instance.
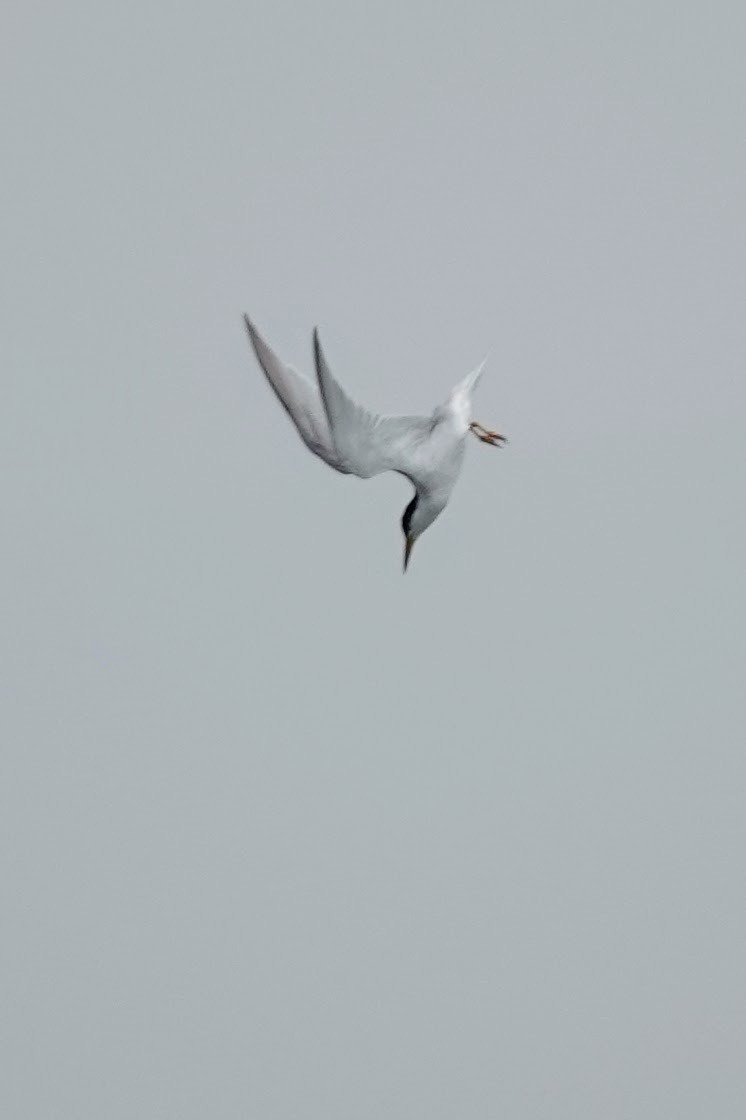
point(284, 833)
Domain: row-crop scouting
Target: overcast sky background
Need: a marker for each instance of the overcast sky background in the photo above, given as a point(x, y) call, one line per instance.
point(285, 833)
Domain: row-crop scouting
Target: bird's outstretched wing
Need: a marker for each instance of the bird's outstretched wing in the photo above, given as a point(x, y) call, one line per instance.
point(365, 443)
point(298, 396)
point(345, 435)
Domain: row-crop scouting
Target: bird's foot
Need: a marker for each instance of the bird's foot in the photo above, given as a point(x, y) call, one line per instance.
point(494, 439)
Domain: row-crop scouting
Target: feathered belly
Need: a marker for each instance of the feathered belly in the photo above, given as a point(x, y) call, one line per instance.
point(440, 461)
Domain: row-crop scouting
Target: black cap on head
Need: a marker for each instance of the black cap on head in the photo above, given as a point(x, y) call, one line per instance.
point(406, 520)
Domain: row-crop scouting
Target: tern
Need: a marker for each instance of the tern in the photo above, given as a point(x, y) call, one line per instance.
point(428, 450)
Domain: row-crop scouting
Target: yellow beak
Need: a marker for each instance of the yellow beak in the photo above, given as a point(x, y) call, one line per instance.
point(408, 546)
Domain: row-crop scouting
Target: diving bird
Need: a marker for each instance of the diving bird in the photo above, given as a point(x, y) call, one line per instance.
point(428, 450)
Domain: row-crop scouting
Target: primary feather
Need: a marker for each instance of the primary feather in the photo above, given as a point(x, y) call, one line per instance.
point(298, 396)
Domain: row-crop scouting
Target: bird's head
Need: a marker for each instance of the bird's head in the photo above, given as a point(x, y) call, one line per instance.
point(410, 535)
point(419, 514)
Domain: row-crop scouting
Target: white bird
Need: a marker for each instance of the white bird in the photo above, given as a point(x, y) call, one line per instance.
point(428, 450)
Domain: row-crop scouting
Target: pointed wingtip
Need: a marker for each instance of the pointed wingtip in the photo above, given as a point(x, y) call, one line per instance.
point(318, 355)
point(256, 341)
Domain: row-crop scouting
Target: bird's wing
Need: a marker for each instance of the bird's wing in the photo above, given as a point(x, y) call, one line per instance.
point(365, 443)
point(298, 396)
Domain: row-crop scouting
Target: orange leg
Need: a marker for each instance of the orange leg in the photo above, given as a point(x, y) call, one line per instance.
point(494, 439)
